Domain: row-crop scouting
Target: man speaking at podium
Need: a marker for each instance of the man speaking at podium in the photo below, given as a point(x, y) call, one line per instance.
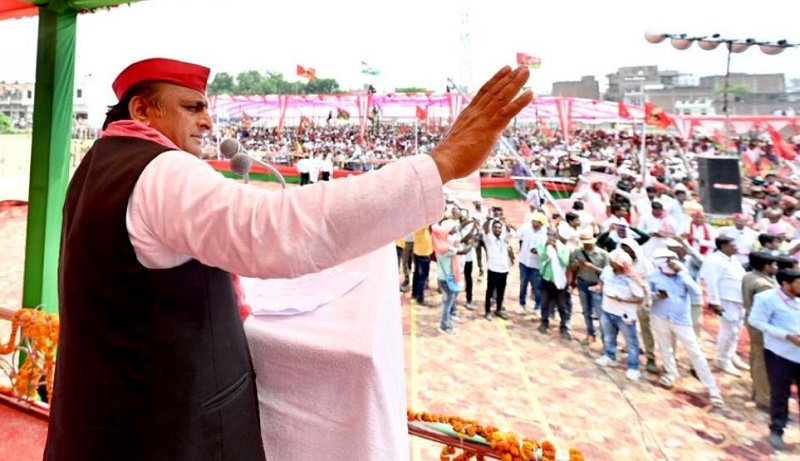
point(153, 359)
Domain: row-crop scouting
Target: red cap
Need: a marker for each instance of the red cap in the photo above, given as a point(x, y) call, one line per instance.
point(162, 70)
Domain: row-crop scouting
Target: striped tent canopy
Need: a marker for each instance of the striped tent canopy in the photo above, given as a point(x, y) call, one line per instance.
point(403, 106)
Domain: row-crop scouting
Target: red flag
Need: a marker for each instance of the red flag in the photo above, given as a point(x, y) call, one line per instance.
point(422, 114)
point(750, 167)
point(655, 115)
point(306, 72)
point(781, 148)
point(623, 111)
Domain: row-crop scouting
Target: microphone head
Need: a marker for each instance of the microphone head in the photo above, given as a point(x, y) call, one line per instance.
point(229, 147)
point(241, 163)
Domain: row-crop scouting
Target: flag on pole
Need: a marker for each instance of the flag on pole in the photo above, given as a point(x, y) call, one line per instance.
point(527, 60)
point(342, 114)
point(306, 72)
point(779, 145)
point(366, 69)
point(422, 114)
point(655, 116)
point(623, 111)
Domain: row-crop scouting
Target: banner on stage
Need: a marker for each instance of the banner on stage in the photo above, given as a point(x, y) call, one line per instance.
point(467, 189)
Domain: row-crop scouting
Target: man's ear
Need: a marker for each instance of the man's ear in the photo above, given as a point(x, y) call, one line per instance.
point(139, 110)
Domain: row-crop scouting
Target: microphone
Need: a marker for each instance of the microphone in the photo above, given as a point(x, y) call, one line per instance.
point(230, 148)
point(241, 164)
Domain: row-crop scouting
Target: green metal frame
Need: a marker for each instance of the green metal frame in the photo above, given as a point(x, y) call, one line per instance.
point(50, 156)
point(50, 150)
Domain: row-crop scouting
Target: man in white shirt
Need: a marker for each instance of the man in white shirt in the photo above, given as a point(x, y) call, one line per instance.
point(744, 237)
point(699, 234)
point(479, 215)
point(618, 212)
point(723, 274)
point(326, 168)
point(588, 224)
point(152, 230)
point(498, 263)
point(531, 236)
point(569, 231)
point(304, 168)
point(660, 226)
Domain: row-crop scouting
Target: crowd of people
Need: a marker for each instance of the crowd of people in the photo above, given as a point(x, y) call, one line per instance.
point(645, 263)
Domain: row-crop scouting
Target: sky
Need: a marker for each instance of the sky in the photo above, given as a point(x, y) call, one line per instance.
point(411, 42)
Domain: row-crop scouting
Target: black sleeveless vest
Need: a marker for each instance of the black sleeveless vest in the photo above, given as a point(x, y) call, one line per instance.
point(152, 364)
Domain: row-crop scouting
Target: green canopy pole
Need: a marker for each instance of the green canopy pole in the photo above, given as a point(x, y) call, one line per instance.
point(50, 155)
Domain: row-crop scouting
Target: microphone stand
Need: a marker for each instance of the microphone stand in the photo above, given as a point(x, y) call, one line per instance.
point(515, 154)
point(268, 167)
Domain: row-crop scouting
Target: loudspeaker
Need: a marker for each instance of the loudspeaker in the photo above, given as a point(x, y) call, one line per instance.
point(720, 185)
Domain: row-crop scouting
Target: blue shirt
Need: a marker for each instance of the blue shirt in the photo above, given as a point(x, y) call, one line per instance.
point(680, 288)
point(776, 315)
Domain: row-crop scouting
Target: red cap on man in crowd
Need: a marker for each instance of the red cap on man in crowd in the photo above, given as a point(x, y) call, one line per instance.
point(181, 73)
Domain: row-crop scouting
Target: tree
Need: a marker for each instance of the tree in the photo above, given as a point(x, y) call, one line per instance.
point(250, 82)
point(254, 82)
point(5, 123)
point(322, 86)
point(411, 89)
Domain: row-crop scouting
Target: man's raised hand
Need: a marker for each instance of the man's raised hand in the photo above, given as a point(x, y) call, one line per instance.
point(478, 127)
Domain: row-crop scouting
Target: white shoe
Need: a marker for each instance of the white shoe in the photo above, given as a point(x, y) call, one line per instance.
point(537, 314)
point(717, 401)
point(521, 310)
point(739, 363)
point(633, 375)
point(728, 368)
point(605, 361)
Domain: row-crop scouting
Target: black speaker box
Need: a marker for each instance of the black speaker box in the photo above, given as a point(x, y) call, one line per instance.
point(720, 185)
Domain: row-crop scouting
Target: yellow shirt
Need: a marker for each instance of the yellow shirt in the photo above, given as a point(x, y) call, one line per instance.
point(400, 243)
point(423, 244)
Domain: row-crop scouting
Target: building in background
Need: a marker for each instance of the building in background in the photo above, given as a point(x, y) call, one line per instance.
point(16, 101)
point(587, 87)
point(748, 94)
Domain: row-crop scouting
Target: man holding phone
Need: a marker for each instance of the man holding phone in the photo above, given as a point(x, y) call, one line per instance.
point(670, 318)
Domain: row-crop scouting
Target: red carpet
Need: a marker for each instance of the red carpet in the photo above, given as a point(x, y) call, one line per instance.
point(23, 435)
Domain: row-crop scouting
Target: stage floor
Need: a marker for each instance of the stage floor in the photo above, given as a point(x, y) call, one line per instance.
point(506, 374)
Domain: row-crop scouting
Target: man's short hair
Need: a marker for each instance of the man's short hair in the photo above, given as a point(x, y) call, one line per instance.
point(649, 189)
point(571, 216)
point(577, 205)
point(657, 205)
point(765, 239)
point(721, 241)
point(148, 90)
point(787, 276)
point(785, 261)
point(760, 259)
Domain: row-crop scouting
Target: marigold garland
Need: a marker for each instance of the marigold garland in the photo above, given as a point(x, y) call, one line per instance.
point(505, 444)
point(40, 329)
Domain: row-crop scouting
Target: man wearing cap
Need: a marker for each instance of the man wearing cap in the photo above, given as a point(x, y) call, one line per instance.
point(671, 288)
point(153, 360)
point(723, 274)
point(588, 262)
